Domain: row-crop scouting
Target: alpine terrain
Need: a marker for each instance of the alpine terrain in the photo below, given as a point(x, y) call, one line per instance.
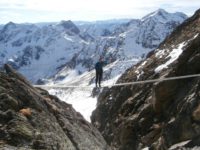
point(64, 53)
point(60, 57)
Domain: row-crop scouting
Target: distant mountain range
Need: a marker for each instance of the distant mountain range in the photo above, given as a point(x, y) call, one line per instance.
point(41, 51)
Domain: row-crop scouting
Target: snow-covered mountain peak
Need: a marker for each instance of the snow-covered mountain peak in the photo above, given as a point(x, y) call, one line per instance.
point(164, 16)
point(155, 26)
point(69, 26)
point(10, 25)
point(14, 26)
point(161, 11)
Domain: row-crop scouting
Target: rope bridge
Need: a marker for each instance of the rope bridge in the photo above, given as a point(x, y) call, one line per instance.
point(121, 84)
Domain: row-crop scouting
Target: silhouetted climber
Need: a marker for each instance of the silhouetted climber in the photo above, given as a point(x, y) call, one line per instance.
point(99, 71)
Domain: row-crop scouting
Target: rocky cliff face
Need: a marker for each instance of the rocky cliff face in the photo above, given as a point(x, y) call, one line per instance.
point(30, 118)
point(161, 114)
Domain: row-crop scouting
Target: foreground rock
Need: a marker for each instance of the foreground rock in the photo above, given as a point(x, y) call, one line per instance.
point(30, 118)
point(162, 114)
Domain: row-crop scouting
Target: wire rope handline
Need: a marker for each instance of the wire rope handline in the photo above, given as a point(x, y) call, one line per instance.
point(123, 84)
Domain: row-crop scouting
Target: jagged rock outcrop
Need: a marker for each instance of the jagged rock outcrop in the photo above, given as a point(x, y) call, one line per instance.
point(161, 114)
point(30, 118)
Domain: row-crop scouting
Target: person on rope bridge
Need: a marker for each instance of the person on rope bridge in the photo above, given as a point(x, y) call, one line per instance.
point(99, 70)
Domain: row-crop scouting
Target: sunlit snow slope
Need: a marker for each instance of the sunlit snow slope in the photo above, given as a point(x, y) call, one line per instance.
point(81, 95)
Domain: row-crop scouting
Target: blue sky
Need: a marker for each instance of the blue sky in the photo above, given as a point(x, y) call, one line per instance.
point(32, 11)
